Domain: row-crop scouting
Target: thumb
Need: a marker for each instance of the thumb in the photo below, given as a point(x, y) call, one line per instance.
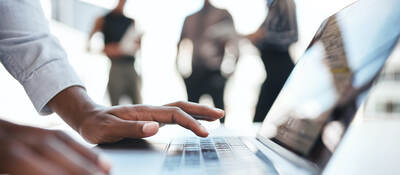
point(136, 129)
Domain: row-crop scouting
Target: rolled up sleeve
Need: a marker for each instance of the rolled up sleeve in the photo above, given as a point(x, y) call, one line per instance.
point(31, 54)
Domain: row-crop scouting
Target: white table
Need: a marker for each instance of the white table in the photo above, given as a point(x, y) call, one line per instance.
point(372, 147)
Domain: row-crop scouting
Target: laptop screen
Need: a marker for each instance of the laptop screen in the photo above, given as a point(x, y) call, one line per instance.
point(331, 79)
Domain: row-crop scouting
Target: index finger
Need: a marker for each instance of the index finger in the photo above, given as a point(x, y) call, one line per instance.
point(199, 111)
point(164, 114)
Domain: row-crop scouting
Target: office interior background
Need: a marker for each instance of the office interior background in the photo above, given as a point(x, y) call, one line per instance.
point(71, 21)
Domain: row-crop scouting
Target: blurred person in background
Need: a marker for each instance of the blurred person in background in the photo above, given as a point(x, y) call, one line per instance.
point(36, 59)
point(123, 79)
point(273, 39)
point(214, 55)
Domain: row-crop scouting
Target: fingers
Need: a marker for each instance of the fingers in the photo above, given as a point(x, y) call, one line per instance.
point(29, 150)
point(165, 114)
point(134, 129)
point(87, 153)
point(175, 115)
point(198, 111)
point(60, 154)
point(20, 160)
point(132, 119)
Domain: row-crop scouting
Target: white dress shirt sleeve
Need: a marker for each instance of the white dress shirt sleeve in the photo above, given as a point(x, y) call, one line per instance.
point(31, 54)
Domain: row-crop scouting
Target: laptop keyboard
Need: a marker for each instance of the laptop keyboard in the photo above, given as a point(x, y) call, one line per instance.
point(215, 155)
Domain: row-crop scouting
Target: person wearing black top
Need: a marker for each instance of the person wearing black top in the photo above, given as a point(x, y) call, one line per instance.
point(273, 39)
point(123, 79)
point(212, 32)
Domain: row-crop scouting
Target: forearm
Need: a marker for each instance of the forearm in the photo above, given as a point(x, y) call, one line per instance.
point(73, 105)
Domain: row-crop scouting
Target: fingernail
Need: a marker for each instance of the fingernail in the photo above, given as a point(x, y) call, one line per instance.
point(203, 129)
point(220, 111)
point(150, 128)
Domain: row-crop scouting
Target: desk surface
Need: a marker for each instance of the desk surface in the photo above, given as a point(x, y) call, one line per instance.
point(371, 147)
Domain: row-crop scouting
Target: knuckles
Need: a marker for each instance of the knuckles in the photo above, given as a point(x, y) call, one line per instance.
point(180, 103)
point(175, 109)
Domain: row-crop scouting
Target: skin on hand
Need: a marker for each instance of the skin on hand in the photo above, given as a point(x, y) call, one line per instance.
point(98, 124)
point(29, 150)
point(139, 121)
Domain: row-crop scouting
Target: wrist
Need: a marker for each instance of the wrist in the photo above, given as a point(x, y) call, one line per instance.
point(73, 105)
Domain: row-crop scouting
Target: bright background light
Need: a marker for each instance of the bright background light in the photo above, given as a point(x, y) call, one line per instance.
point(162, 21)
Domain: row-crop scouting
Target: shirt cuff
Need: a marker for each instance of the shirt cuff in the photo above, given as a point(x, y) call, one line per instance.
point(49, 80)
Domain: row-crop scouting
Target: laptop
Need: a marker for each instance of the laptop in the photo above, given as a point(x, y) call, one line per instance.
point(308, 119)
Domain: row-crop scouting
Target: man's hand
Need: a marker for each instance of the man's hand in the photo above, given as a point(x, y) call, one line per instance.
point(138, 121)
point(98, 124)
point(28, 150)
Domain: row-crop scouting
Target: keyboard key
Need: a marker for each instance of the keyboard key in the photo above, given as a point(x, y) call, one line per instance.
point(209, 155)
point(192, 157)
point(215, 155)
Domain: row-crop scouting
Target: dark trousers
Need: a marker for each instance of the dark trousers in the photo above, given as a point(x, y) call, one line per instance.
point(208, 83)
point(278, 66)
point(123, 80)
